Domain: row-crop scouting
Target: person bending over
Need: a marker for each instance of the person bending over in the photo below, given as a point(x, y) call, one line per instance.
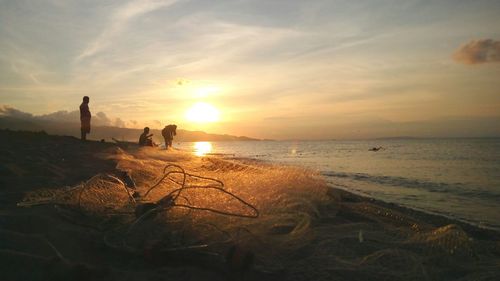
point(168, 134)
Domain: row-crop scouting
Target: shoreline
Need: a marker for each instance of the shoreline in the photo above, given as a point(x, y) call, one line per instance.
point(432, 218)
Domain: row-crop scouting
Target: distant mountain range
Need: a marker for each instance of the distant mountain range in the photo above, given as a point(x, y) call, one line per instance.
point(107, 132)
point(399, 138)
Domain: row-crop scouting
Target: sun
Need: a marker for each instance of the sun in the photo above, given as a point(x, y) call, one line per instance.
point(202, 112)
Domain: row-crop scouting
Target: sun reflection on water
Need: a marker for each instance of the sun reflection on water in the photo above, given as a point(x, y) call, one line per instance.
point(202, 147)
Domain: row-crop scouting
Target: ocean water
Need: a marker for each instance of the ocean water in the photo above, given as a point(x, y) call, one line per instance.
point(459, 178)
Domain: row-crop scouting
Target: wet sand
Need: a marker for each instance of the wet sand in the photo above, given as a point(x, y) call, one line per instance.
point(305, 229)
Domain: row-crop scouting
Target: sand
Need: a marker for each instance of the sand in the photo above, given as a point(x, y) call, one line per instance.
point(55, 224)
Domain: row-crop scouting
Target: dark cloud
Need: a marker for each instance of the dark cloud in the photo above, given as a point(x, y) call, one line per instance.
point(478, 51)
point(59, 116)
point(63, 116)
point(98, 119)
point(182, 81)
point(120, 123)
point(102, 119)
point(8, 111)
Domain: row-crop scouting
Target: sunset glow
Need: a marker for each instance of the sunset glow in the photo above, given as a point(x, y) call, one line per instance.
point(204, 92)
point(266, 69)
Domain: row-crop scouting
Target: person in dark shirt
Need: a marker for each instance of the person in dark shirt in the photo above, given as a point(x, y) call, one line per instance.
point(85, 117)
point(145, 138)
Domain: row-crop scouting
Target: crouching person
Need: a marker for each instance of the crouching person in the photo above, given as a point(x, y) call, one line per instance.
point(145, 138)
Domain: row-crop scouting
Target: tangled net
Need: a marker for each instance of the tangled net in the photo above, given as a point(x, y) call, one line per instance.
point(107, 197)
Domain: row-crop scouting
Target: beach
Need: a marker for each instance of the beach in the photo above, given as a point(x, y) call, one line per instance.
point(69, 212)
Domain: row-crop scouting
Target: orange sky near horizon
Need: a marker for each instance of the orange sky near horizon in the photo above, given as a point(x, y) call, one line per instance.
point(267, 69)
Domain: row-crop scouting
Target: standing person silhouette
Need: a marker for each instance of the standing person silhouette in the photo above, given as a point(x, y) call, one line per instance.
point(85, 117)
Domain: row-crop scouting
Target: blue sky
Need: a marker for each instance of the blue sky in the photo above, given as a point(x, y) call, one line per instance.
point(274, 69)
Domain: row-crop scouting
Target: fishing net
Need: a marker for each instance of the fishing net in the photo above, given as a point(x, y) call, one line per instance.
point(284, 216)
point(194, 203)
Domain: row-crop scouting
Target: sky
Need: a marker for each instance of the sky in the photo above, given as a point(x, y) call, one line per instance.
point(293, 69)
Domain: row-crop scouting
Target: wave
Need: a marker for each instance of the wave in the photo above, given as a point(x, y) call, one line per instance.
point(459, 189)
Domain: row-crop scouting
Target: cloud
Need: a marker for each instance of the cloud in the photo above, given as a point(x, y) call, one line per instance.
point(120, 123)
point(8, 111)
point(60, 116)
point(63, 116)
point(478, 52)
point(118, 22)
point(98, 119)
point(101, 119)
point(181, 82)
